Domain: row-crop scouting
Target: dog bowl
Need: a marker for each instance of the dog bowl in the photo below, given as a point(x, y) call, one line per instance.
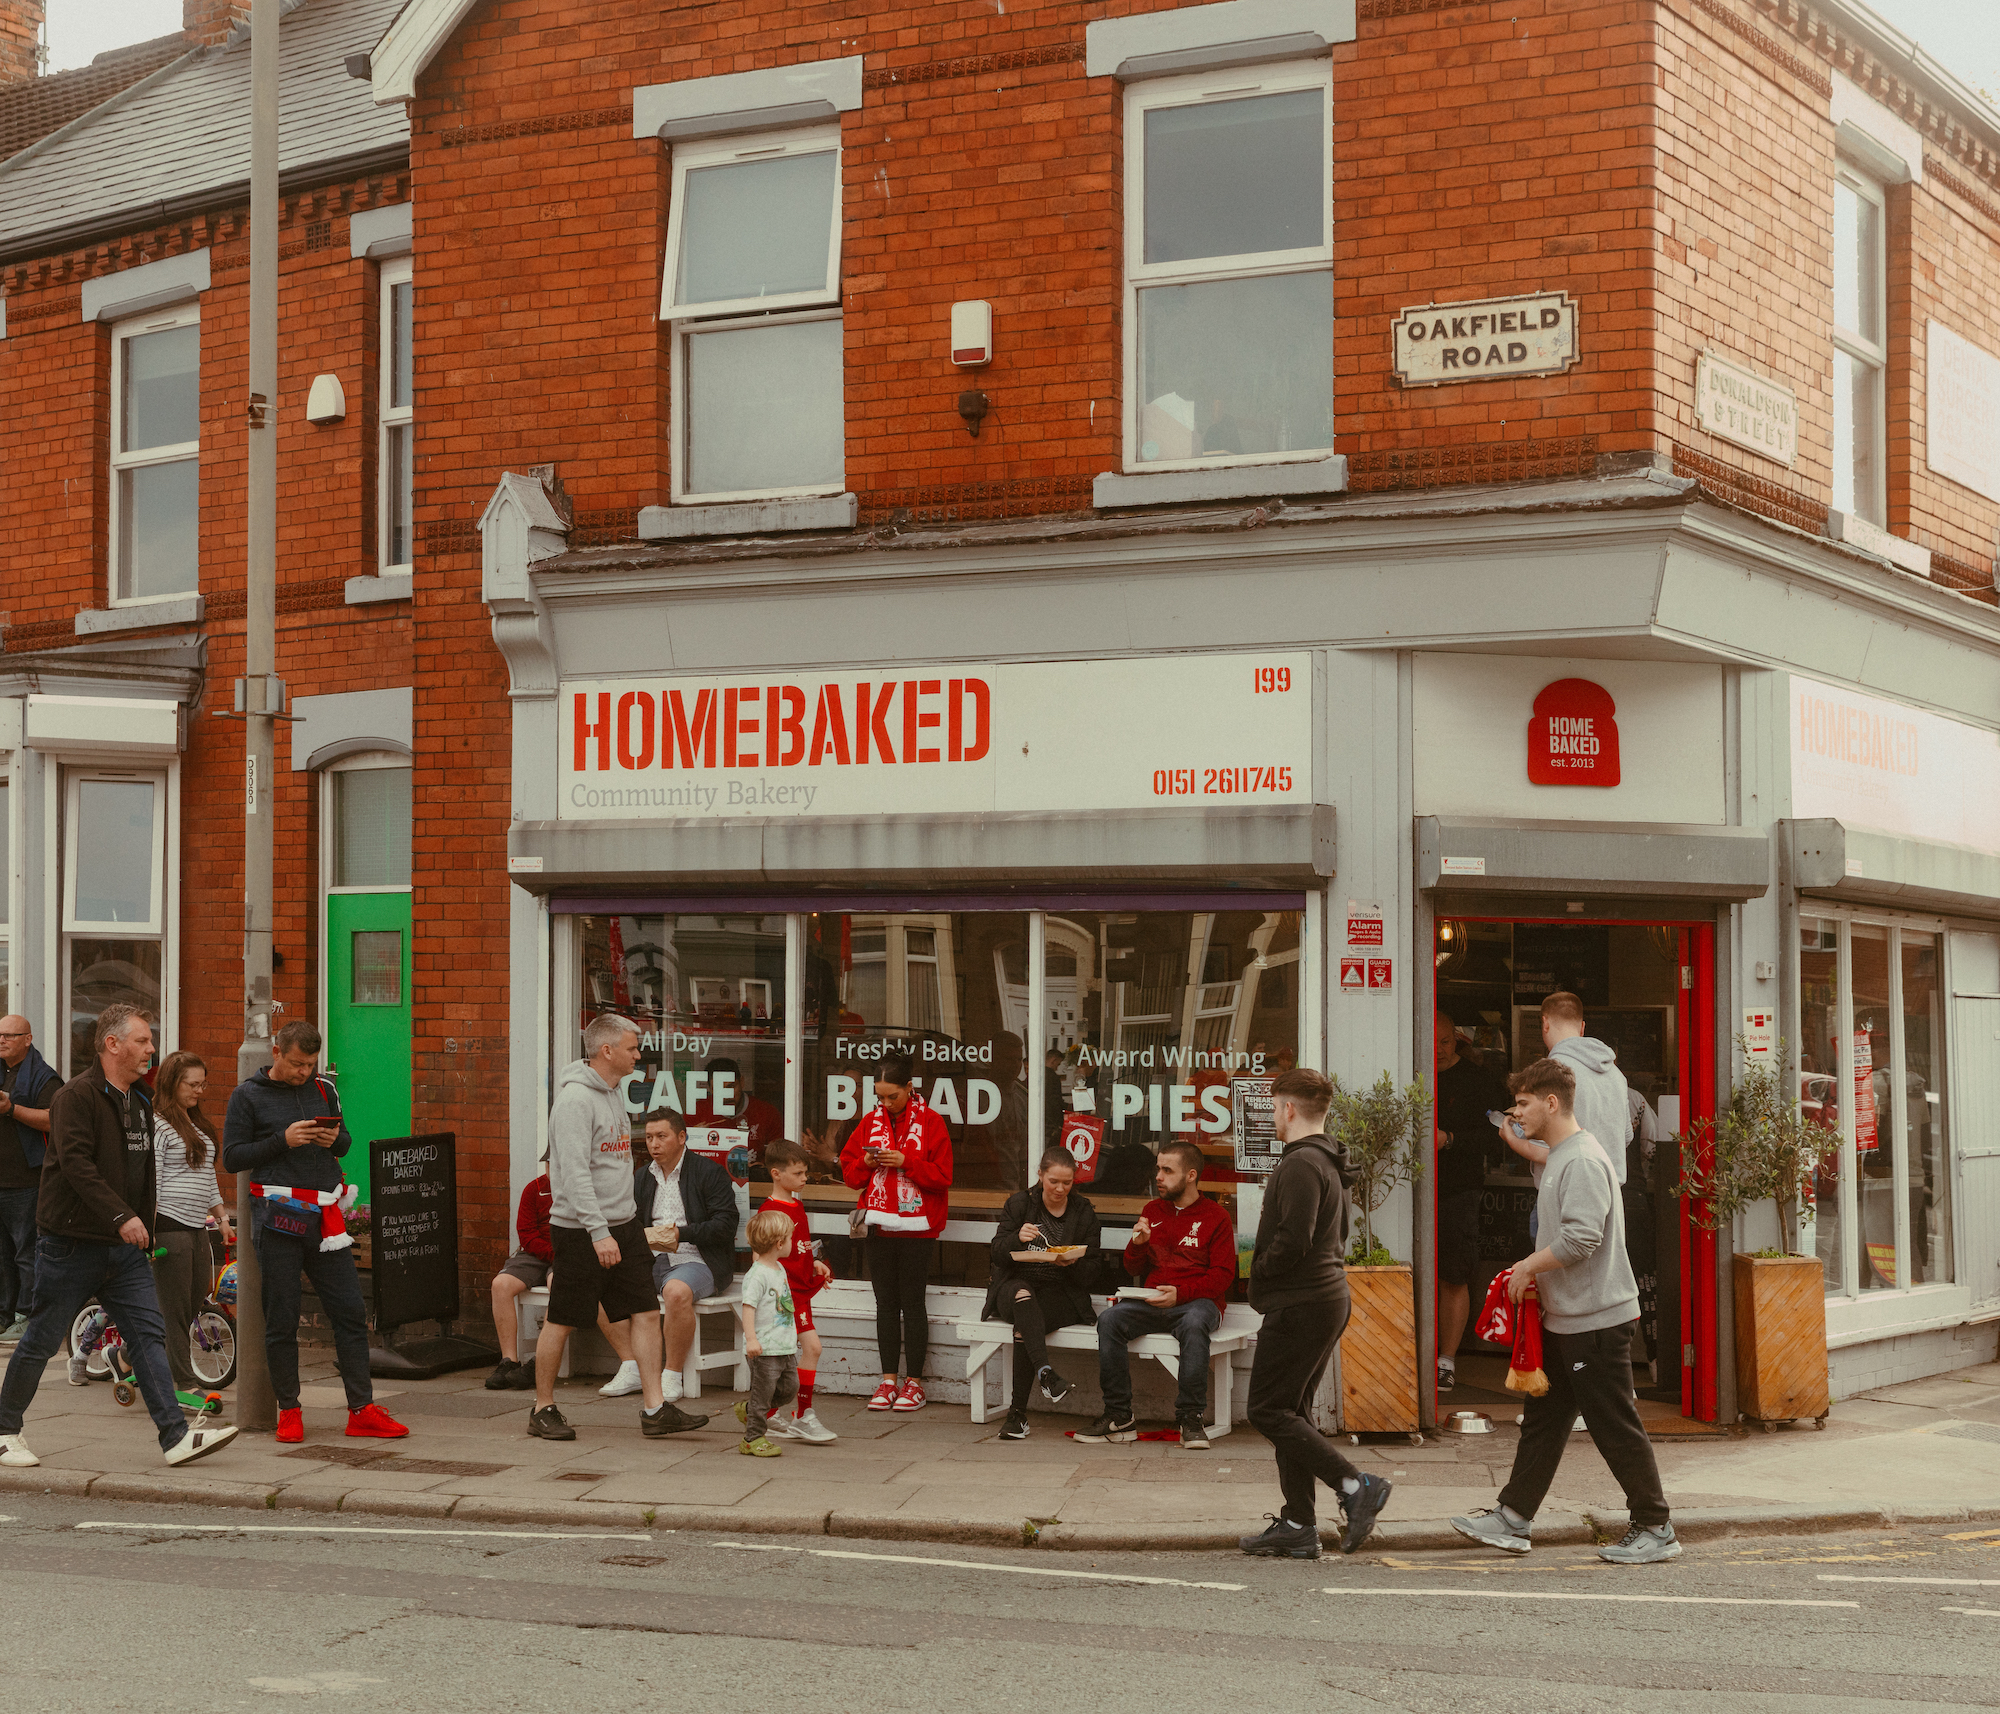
point(1467, 1422)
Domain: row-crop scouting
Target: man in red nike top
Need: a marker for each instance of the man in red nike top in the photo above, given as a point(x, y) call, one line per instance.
point(1184, 1249)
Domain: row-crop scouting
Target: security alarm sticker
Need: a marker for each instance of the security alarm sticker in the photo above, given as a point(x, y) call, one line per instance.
point(1364, 924)
point(1381, 973)
point(1353, 974)
point(1573, 736)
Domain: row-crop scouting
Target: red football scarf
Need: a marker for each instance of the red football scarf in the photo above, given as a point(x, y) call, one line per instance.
point(1501, 1323)
point(891, 1203)
point(332, 1205)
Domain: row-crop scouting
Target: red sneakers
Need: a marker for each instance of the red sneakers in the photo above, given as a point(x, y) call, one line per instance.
point(911, 1397)
point(372, 1422)
point(885, 1396)
point(291, 1427)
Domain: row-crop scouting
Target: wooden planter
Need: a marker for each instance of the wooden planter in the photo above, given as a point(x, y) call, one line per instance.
point(1780, 1338)
point(1378, 1353)
point(364, 1248)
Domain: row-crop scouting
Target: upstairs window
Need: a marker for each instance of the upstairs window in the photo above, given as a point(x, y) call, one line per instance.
point(1859, 292)
point(752, 293)
point(397, 478)
point(1229, 268)
point(155, 455)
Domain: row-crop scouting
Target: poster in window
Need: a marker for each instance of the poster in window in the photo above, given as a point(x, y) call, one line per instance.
point(1864, 1093)
point(1083, 1136)
point(1256, 1136)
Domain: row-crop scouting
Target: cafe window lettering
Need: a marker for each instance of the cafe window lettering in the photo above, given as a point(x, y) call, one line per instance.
point(1871, 1041)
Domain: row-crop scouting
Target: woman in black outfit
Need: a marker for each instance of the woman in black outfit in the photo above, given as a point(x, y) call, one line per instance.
point(1038, 1297)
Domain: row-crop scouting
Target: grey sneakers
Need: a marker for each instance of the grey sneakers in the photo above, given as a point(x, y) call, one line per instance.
point(1644, 1544)
point(1495, 1527)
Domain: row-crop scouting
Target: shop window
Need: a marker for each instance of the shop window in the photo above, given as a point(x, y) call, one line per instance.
point(155, 455)
point(1871, 1065)
point(397, 413)
point(1859, 346)
point(1229, 276)
point(753, 296)
point(113, 898)
point(371, 825)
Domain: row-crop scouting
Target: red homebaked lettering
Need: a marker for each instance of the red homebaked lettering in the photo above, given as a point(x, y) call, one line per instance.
point(915, 720)
point(678, 735)
point(829, 729)
point(735, 726)
point(600, 730)
point(641, 702)
point(786, 723)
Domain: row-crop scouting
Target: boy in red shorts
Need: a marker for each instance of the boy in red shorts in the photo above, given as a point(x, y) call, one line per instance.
point(789, 1165)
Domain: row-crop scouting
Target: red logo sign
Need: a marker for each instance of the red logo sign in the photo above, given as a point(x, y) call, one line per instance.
point(1573, 738)
point(1083, 1136)
point(1364, 931)
point(1353, 973)
point(1381, 972)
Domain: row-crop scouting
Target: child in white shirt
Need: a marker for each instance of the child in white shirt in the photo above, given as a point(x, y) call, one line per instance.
point(770, 1338)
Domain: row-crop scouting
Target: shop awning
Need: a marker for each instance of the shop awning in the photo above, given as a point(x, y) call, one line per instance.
point(1836, 861)
point(1627, 859)
point(1277, 846)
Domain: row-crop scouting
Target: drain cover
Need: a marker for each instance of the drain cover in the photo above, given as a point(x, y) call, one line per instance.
point(1972, 1431)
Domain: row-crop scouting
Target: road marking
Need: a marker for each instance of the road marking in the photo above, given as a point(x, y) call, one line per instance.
point(1579, 1595)
point(358, 1529)
point(1973, 1612)
point(1952, 1582)
point(1972, 1535)
point(979, 1565)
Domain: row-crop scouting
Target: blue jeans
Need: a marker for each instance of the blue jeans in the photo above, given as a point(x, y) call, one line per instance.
point(17, 1253)
point(287, 1263)
point(68, 1272)
point(1189, 1323)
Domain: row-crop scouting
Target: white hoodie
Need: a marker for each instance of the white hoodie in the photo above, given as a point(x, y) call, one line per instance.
point(1602, 1105)
point(590, 1154)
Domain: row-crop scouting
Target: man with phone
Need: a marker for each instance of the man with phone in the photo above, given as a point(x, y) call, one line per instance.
point(283, 1127)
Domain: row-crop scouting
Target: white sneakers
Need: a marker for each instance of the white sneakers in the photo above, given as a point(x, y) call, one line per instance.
point(14, 1453)
point(673, 1386)
point(79, 1371)
point(624, 1382)
point(200, 1442)
point(806, 1427)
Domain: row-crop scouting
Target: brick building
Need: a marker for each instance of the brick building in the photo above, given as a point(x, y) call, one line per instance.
point(1343, 507)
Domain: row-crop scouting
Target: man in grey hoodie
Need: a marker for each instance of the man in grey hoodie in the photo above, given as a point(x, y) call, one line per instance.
point(1588, 1302)
point(601, 1256)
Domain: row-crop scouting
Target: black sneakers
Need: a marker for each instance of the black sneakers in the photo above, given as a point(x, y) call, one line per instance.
point(1110, 1427)
point(1283, 1540)
point(1194, 1434)
point(503, 1375)
point(1363, 1508)
point(1054, 1388)
point(547, 1424)
point(668, 1419)
point(1016, 1427)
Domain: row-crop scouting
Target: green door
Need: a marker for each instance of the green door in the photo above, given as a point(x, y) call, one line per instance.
point(368, 1017)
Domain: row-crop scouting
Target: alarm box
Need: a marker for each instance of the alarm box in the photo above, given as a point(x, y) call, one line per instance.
point(972, 334)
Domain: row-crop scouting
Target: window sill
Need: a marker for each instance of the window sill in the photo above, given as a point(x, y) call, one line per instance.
point(140, 616)
point(1892, 1314)
point(1857, 532)
point(749, 518)
point(1233, 482)
point(363, 590)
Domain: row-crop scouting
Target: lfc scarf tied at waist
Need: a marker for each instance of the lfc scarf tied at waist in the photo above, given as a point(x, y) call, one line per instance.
point(308, 1213)
point(1504, 1322)
point(891, 1202)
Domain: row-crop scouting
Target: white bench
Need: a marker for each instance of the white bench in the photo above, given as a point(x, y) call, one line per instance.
point(532, 1308)
point(987, 1339)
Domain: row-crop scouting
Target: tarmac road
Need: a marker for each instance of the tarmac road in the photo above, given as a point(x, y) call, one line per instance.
point(112, 1606)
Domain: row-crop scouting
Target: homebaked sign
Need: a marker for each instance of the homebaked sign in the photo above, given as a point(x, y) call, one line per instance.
point(1163, 732)
point(1497, 339)
point(1739, 405)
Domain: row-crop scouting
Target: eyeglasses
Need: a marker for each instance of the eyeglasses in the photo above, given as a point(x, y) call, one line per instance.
point(15, 1035)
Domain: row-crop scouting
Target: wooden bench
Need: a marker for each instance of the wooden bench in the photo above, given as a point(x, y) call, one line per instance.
point(532, 1308)
point(987, 1339)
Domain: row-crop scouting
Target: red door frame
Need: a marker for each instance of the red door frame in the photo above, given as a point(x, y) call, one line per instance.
point(1695, 1030)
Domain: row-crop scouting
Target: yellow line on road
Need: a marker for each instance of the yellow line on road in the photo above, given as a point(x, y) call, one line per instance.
point(1579, 1595)
point(978, 1565)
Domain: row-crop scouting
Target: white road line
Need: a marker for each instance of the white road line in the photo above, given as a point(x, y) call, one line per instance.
point(357, 1529)
point(1579, 1595)
point(1973, 1612)
point(978, 1565)
point(1948, 1582)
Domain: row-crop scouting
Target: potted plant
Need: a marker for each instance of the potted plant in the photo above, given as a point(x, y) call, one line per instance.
point(361, 1228)
point(1386, 1133)
point(1762, 1147)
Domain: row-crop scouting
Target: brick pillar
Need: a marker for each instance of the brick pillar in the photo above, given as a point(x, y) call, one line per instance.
point(20, 39)
point(207, 23)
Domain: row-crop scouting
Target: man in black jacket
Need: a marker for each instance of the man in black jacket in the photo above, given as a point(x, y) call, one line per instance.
point(97, 1204)
point(1298, 1283)
point(693, 1200)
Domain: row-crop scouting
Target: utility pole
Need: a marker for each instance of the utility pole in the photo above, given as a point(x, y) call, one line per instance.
point(259, 693)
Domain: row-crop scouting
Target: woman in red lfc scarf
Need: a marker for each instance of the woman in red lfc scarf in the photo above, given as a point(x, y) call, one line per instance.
point(899, 1157)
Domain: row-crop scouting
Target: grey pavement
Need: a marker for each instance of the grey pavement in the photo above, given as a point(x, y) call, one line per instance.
point(1923, 1450)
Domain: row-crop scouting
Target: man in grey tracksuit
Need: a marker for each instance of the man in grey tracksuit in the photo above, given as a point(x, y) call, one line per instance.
point(1588, 1302)
point(601, 1255)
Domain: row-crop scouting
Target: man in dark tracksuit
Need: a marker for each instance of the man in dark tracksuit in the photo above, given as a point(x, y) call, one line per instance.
point(1298, 1283)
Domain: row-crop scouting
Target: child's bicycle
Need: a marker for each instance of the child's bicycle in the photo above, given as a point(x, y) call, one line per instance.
point(97, 1352)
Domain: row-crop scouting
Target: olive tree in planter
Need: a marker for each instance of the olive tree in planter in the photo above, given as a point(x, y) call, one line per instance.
point(1763, 1148)
point(1386, 1133)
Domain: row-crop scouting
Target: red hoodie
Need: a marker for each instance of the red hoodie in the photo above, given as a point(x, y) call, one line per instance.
point(1192, 1249)
point(531, 1220)
point(926, 1146)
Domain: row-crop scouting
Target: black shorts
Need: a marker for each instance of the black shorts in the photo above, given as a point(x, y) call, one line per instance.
point(582, 1283)
point(1458, 1237)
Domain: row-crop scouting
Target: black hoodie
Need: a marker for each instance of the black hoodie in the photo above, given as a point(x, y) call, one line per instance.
point(253, 1132)
point(1302, 1235)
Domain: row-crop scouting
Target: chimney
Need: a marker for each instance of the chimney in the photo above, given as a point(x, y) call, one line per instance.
point(206, 23)
point(20, 39)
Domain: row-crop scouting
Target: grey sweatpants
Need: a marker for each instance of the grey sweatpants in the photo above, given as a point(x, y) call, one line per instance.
point(774, 1382)
point(181, 1277)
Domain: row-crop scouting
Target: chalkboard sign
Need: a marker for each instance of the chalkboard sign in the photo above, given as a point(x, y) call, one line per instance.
point(415, 1189)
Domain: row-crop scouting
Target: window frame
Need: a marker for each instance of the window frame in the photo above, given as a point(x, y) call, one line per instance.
point(1193, 90)
point(679, 493)
point(178, 452)
point(74, 779)
point(360, 761)
point(1871, 354)
point(388, 416)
